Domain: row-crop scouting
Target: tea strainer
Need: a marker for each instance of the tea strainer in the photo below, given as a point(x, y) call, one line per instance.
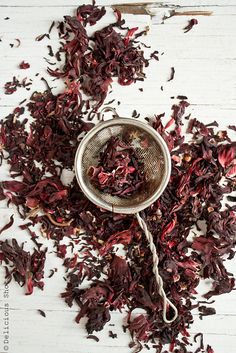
point(153, 152)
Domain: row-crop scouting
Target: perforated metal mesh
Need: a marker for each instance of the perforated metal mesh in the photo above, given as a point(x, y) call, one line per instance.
point(147, 147)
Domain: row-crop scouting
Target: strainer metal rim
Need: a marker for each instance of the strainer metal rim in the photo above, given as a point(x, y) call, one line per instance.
point(105, 205)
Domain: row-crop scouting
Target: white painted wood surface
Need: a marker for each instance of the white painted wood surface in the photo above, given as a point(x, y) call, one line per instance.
point(204, 60)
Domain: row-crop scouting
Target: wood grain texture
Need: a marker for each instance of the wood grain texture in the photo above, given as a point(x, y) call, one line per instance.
point(204, 61)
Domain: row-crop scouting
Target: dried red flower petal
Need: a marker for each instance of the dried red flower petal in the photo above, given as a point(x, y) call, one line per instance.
point(110, 54)
point(41, 312)
point(172, 74)
point(226, 155)
point(119, 171)
point(8, 225)
point(24, 65)
point(11, 86)
point(140, 327)
point(209, 349)
point(90, 14)
point(129, 35)
point(26, 269)
point(190, 25)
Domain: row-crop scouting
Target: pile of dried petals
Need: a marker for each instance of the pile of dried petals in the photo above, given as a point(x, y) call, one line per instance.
point(119, 171)
point(94, 61)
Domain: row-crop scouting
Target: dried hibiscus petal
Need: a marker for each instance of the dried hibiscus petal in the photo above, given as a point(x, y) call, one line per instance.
point(119, 171)
point(8, 225)
point(24, 65)
point(96, 60)
point(140, 327)
point(25, 268)
point(190, 25)
point(226, 155)
point(90, 14)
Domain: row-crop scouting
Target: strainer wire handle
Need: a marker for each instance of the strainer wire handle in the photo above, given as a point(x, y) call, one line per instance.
point(166, 301)
point(107, 109)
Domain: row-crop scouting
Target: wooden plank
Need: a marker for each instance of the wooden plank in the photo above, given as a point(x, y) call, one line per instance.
point(167, 3)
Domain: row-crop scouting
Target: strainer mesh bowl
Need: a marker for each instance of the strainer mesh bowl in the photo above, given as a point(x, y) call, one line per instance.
point(149, 148)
